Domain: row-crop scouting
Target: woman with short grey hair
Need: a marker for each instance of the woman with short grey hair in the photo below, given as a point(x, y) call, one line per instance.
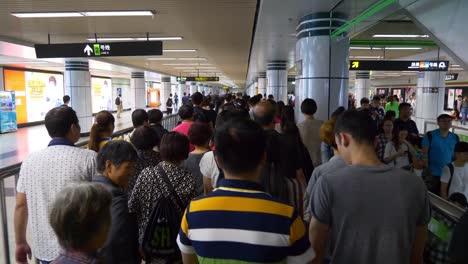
point(80, 217)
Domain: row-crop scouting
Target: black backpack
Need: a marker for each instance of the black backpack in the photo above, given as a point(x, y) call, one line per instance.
point(117, 101)
point(169, 102)
point(159, 238)
point(452, 169)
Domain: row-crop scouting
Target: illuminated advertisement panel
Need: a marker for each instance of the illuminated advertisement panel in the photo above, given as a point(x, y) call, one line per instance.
point(36, 93)
point(101, 94)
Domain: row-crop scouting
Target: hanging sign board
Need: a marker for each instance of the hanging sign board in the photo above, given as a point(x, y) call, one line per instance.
point(451, 76)
point(380, 65)
point(198, 79)
point(96, 50)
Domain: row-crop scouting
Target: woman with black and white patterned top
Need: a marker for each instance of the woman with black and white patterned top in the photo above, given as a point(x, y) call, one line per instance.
point(150, 185)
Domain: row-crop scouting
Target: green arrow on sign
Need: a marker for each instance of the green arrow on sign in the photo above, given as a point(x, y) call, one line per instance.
point(97, 50)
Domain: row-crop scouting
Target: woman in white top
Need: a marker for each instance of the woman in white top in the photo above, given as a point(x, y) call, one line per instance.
point(397, 151)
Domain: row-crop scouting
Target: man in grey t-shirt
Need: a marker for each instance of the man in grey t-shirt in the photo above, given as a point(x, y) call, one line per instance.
point(369, 212)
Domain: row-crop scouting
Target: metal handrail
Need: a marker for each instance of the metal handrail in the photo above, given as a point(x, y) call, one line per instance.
point(449, 210)
point(168, 122)
point(426, 122)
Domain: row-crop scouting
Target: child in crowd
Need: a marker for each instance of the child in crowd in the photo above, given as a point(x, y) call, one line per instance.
point(454, 176)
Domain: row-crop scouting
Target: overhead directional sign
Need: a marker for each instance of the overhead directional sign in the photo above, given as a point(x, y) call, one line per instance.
point(96, 50)
point(451, 76)
point(198, 79)
point(380, 65)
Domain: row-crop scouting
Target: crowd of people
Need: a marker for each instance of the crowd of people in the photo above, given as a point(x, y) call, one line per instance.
point(238, 180)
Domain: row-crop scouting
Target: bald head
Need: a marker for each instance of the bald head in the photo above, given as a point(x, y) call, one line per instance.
point(264, 113)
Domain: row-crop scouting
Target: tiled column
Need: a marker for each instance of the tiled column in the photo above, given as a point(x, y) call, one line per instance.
point(78, 86)
point(137, 91)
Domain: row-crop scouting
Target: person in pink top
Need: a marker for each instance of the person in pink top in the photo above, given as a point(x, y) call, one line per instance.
point(186, 114)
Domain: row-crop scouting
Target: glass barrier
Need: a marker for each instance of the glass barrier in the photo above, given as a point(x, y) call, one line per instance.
point(8, 179)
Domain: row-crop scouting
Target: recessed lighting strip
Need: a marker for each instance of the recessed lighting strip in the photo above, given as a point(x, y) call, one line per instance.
point(103, 39)
point(179, 59)
point(399, 36)
point(108, 13)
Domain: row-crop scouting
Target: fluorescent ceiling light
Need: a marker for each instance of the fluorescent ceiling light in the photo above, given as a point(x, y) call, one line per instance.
point(399, 36)
point(133, 39)
point(118, 13)
point(193, 68)
point(454, 65)
point(24, 62)
point(187, 64)
point(180, 59)
point(365, 48)
point(83, 14)
point(46, 14)
point(456, 69)
point(365, 57)
point(179, 50)
point(159, 38)
point(403, 48)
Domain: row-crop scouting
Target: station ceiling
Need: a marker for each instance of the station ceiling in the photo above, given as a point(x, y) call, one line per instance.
point(219, 30)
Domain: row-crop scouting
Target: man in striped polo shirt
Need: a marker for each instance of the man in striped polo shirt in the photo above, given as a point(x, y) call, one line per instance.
point(238, 222)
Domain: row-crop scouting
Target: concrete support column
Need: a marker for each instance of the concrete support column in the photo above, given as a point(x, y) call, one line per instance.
point(322, 63)
point(430, 95)
point(165, 92)
point(78, 86)
point(199, 87)
point(137, 90)
point(362, 85)
point(193, 88)
point(261, 83)
point(181, 89)
point(277, 80)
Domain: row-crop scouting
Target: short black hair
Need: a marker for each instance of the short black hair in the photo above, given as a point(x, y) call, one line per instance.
point(197, 98)
point(461, 147)
point(458, 198)
point(155, 116)
point(139, 116)
point(174, 147)
point(357, 123)
point(66, 99)
point(254, 100)
point(228, 97)
point(443, 116)
point(185, 112)
point(58, 121)
point(364, 100)
point(376, 98)
point(338, 111)
point(145, 138)
point(239, 145)
point(118, 152)
point(403, 105)
point(200, 134)
point(390, 113)
point(227, 115)
point(309, 106)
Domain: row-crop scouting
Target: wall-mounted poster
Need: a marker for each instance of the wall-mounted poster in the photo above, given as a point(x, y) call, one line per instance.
point(101, 94)
point(36, 93)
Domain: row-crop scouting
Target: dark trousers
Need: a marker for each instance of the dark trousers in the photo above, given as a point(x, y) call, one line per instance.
point(169, 110)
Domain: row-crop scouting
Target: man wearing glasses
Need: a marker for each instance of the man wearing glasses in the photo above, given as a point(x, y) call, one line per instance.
point(439, 146)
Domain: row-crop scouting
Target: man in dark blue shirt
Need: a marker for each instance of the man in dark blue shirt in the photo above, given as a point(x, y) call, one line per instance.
point(185, 99)
point(404, 121)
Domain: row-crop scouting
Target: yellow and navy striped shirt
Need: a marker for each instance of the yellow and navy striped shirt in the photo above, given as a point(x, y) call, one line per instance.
point(238, 223)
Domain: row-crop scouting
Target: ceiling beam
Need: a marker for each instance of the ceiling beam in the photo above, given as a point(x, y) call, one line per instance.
point(370, 11)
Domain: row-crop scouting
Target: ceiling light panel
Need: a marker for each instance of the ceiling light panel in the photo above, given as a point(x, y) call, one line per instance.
point(186, 64)
point(365, 57)
point(365, 48)
point(118, 13)
point(103, 39)
point(190, 68)
point(399, 36)
point(403, 48)
point(46, 14)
